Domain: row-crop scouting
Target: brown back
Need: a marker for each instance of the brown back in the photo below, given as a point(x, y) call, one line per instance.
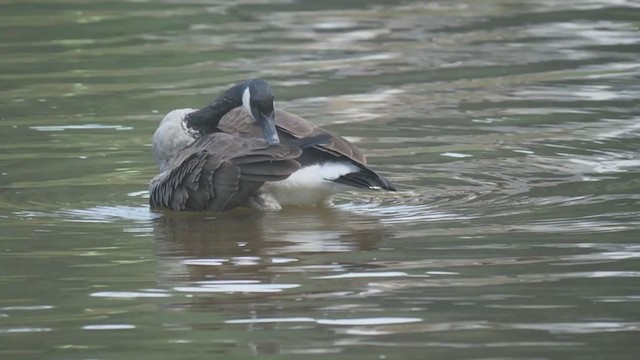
point(239, 121)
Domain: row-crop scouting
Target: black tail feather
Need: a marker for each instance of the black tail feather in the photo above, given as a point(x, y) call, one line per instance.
point(366, 179)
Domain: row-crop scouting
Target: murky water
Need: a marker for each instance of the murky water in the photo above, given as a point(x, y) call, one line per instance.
point(511, 127)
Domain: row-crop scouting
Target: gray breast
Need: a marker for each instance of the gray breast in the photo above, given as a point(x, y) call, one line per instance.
point(171, 136)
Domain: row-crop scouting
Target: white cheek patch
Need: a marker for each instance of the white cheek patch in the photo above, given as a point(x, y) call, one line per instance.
point(246, 99)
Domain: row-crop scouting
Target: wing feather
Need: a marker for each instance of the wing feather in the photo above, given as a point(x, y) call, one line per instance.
point(219, 172)
point(240, 121)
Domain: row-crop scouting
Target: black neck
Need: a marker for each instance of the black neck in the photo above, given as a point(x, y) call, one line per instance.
point(206, 120)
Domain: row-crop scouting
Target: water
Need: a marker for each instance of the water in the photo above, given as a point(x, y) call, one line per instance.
point(511, 128)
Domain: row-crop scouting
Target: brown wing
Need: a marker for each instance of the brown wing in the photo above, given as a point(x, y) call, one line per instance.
point(219, 172)
point(298, 127)
point(240, 121)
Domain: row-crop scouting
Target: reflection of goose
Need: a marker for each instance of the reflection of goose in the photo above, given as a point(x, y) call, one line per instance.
point(242, 262)
point(215, 158)
point(245, 244)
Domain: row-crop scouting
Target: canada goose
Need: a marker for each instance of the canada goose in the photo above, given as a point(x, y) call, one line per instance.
point(238, 151)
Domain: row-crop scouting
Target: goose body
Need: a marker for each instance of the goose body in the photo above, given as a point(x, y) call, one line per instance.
point(242, 154)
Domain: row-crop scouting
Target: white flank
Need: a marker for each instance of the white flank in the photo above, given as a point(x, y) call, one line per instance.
point(311, 184)
point(246, 99)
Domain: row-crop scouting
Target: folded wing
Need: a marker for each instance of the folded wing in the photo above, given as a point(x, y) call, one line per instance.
point(220, 171)
point(335, 149)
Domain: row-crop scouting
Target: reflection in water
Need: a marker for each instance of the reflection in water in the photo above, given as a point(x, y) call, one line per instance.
point(210, 257)
point(224, 250)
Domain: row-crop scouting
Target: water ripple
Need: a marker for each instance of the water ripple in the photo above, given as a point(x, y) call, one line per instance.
point(510, 129)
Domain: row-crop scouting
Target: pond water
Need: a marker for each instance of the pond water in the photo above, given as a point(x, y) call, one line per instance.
point(511, 129)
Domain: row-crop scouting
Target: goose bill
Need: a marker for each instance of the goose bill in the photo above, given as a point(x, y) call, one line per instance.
point(269, 128)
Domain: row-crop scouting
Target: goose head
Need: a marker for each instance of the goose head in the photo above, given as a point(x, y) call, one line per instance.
point(258, 99)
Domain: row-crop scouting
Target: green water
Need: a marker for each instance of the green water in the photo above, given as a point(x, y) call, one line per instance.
point(510, 127)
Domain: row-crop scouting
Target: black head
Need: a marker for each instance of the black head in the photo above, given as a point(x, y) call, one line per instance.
point(258, 99)
point(258, 94)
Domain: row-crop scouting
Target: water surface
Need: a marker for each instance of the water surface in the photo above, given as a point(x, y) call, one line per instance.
point(511, 129)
